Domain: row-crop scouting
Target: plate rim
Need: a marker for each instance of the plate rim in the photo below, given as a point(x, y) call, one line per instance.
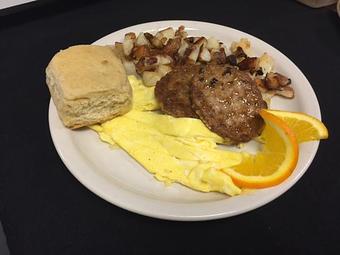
point(128, 206)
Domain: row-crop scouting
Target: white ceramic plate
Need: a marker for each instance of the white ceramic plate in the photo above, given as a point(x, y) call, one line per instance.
point(119, 179)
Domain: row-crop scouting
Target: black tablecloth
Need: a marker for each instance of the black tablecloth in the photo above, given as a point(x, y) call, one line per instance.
point(45, 210)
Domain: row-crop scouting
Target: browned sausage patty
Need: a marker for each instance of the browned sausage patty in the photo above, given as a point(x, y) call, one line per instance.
point(174, 89)
point(228, 101)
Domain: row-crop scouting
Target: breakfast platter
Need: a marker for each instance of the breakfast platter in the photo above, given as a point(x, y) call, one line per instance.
point(117, 177)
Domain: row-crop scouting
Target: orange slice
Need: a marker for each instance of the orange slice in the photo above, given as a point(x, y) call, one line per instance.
point(276, 160)
point(305, 127)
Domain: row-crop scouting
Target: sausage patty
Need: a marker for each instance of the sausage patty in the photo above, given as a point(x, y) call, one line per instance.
point(173, 91)
point(228, 101)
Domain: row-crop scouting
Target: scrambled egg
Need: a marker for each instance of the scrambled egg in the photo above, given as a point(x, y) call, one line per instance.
point(179, 150)
point(143, 96)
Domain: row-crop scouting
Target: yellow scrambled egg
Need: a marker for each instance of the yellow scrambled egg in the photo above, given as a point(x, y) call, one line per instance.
point(179, 150)
point(143, 96)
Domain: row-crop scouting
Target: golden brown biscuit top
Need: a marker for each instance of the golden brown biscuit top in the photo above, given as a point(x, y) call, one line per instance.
point(83, 70)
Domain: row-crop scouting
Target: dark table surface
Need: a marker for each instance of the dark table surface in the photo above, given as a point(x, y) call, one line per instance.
point(45, 210)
